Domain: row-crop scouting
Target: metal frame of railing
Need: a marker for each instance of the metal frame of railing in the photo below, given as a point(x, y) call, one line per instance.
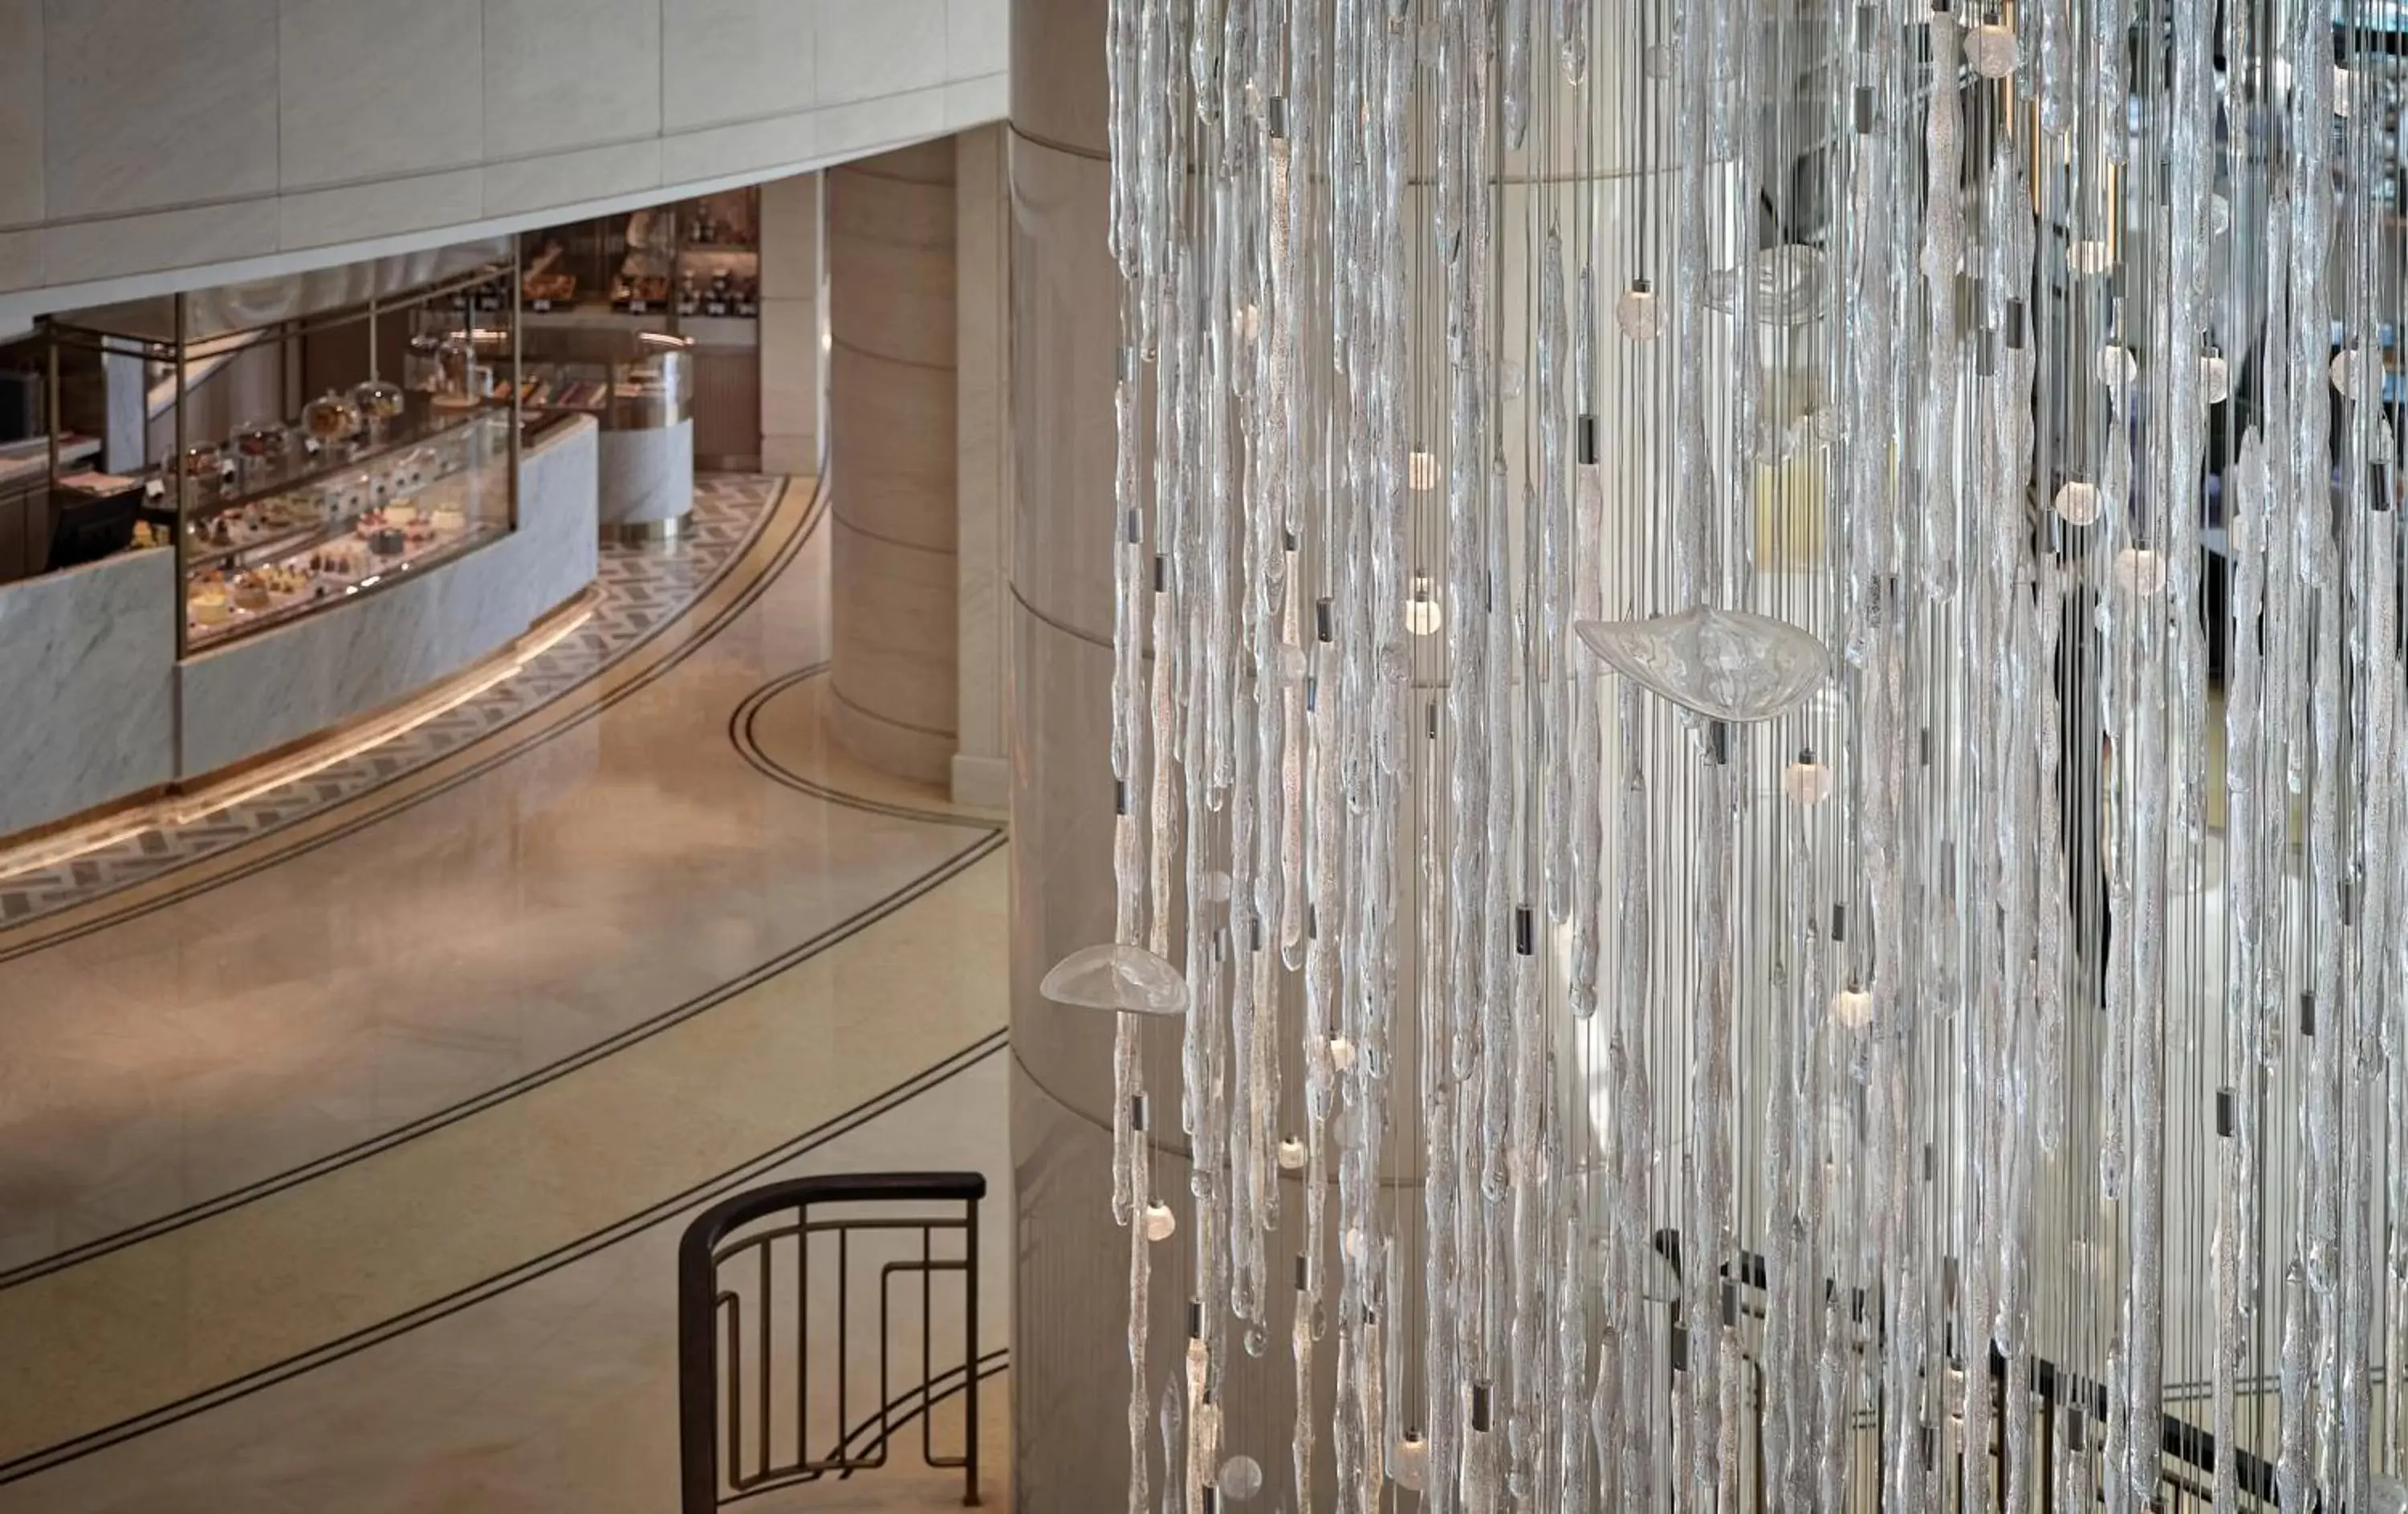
point(714, 1468)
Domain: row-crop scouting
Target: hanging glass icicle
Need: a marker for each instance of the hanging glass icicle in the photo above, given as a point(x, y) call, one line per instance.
point(1756, 786)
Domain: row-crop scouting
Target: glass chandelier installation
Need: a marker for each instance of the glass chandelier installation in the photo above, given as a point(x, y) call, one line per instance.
point(1758, 732)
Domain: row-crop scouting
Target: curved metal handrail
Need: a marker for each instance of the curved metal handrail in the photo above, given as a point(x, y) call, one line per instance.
point(701, 1249)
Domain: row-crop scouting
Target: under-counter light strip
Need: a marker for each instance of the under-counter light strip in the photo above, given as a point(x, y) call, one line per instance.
point(184, 809)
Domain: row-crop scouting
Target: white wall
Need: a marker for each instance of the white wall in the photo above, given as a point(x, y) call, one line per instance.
point(151, 144)
point(794, 286)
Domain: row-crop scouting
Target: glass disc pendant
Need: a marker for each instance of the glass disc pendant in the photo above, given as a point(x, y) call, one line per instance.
point(1725, 664)
point(1130, 979)
point(1789, 285)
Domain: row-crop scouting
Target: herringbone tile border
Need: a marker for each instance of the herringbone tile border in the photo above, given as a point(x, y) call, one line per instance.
point(638, 590)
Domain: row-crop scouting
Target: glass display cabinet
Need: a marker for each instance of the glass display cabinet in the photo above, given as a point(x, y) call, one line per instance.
point(386, 442)
point(627, 381)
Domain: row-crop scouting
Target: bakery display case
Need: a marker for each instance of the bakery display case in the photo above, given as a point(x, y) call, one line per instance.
point(402, 456)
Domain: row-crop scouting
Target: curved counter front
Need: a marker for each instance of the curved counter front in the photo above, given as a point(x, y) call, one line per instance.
point(95, 710)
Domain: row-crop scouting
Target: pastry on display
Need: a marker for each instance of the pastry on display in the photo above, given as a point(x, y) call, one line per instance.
point(250, 592)
point(330, 417)
point(400, 514)
point(389, 541)
point(203, 469)
point(448, 519)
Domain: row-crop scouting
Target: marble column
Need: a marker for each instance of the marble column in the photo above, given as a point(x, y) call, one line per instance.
point(794, 333)
point(891, 451)
point(1069, 1359)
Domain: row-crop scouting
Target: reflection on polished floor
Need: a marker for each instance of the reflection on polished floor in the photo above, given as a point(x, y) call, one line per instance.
point(341, 1160)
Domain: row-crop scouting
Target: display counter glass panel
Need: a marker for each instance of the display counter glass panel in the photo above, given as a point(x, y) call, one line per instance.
point(387, 444)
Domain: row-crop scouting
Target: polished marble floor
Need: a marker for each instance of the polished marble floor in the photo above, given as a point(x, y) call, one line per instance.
point(340, 1164)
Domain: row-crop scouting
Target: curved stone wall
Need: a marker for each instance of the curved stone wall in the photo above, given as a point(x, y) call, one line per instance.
point(146, 146)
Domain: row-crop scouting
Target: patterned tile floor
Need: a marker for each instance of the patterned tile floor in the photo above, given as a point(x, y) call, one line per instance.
point(638, 589)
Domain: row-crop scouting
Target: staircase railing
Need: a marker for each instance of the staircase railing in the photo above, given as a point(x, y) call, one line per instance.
point(740, 1358)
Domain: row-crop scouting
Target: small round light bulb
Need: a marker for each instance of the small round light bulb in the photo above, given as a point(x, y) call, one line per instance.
point(2215, 378)
point(2141, 572)
point(2077, 502)
point(1636, 311)
point(1992, 51)
point(1291, 1155)
point(1408, 1462)
point(1239, 1479)
point(1806, 781)
point(1341, 1053)
point(1160, 1223)
point(1423, 617)
point(1852, 1007)
point(2348, 372)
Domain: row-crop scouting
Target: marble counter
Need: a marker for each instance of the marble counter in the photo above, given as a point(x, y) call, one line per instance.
point(87, 687)
point(91, 690)
point(267, 691)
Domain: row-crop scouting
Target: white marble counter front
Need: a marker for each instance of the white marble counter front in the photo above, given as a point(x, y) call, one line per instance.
point(647, 475)
point(87, 687)
point(90, 685)
point(270, 690)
